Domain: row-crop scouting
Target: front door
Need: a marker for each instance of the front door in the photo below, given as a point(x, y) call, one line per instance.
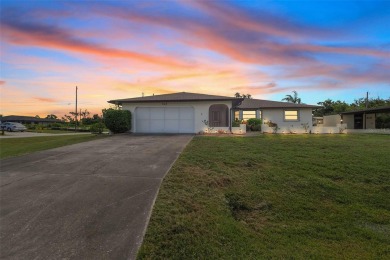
point(358, 119)
point(215, 118)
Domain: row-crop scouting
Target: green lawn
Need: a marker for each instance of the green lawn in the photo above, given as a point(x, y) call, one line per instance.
point(17, 146)
point(50, 131)
point(275, 196)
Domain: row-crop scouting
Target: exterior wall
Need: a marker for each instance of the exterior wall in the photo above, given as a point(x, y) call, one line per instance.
point(239, 130)
point(201, 110)
point(332, 120)
point(368, 121)
point(276, 115)
point(337, 129)
point(349, 121)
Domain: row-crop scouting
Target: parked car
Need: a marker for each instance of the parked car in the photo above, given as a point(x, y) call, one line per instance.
point(11, 127)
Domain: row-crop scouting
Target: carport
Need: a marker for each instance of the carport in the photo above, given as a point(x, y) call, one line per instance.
point(366, 118)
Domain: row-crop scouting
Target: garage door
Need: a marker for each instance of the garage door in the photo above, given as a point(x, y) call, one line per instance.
point(164, 120)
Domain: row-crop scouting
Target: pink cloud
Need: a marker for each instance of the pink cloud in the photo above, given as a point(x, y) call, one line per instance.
point(56, 38)
point(46, 100)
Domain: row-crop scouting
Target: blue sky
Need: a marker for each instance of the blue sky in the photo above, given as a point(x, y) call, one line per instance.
point(121, 49)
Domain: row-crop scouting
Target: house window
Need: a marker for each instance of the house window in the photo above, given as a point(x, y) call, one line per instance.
point(248, 114)
point(236, 115)
point(291, 115)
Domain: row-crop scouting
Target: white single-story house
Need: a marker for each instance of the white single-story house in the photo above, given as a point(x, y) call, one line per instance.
point(193, 113)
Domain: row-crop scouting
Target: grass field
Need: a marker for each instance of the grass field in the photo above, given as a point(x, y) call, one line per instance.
point(18, 146)
point(50, 131)
point(275, 196)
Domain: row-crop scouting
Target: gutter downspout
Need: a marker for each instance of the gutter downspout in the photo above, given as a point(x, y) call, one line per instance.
point(230, 120)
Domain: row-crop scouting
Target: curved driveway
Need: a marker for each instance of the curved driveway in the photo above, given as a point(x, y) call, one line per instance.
point(85, 201)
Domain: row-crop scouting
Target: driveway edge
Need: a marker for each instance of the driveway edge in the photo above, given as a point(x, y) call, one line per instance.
point(133, 254)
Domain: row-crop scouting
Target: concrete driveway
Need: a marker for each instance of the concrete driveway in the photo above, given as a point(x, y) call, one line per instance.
point(85, 201)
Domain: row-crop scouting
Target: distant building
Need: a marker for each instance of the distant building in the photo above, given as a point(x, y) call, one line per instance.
point(366, 118)
point(369, 118)
point(28, 120)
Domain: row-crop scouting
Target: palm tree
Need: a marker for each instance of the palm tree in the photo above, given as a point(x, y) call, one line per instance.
point(237, 95)
point(293, 99)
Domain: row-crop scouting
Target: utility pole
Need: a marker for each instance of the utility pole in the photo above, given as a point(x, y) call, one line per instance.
point(364, 114)
point(75, 125)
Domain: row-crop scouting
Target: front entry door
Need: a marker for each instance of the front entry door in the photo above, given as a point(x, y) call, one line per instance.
point(358, 119)
point(216, 118)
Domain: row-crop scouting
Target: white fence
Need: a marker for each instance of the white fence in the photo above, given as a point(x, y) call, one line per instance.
point(235, 130)
point(339, 129)
point(314, 129)
point(239, 130)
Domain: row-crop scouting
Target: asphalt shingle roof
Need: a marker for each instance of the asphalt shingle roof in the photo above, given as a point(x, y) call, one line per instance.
point(372, 110)
point(176, 97)
point(260, 103)
point(186, 96)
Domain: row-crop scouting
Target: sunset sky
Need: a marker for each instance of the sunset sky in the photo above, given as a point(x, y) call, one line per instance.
point(121, 49)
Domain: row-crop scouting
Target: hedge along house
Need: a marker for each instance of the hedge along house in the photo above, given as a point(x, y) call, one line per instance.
point(192, 113)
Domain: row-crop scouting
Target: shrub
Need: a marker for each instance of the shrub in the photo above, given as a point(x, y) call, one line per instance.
point(274, 126)
point(118, 121)
point(236, 123)
point(256, 128)
point(56, 126)
point(254, 124)
point(97, 128)
point(254, 121)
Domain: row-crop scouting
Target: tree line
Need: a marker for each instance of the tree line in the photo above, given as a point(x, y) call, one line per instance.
point(330, 107)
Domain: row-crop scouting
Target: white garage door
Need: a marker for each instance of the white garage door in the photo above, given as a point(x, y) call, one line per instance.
point(164, 120)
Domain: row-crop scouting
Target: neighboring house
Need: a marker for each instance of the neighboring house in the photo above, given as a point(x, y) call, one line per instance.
point(28, 120)
point(366, 118)
point(191, 113)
